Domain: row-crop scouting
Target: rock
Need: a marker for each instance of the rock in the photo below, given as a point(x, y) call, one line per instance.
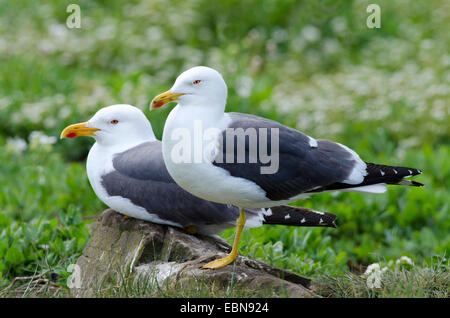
point(121, 247)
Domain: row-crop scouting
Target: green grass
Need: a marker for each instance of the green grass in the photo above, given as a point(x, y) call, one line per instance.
point(312, 65)
point(427, 281)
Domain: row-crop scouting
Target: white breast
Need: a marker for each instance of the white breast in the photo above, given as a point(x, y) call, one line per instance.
point(201, 177)
point(99, 163)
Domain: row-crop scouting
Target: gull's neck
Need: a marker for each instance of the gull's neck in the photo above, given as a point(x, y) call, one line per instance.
point(107, 148)
point(121, 147)
point(211, 115)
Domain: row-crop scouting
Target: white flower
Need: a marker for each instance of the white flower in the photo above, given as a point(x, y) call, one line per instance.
point(33, 111)
point(374, 274)
point(279, 35)
point(374, 280)
point(16, 144)
point(41, 138)
point(41, 180)
point(331, 46)
point(339, 25)
point(375, 267)
point(404, 260)
point(311, 33)
point(244, 86)
point(4, 102)
point(50, 122)
point(58, 31)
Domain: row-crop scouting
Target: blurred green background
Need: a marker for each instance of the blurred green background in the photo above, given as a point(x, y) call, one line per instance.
point(312, 65)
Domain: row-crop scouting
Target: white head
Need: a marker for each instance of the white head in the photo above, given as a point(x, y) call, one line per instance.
point(116, 125)
point(198, 86)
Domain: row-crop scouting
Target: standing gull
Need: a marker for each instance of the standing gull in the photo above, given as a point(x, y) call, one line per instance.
point(126, 169)
point(303, 165)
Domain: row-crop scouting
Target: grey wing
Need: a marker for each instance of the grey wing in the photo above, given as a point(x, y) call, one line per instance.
point(304, 164)
point(140, 175)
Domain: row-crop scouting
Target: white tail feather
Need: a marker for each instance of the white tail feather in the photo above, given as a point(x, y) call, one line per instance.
point(373, 188)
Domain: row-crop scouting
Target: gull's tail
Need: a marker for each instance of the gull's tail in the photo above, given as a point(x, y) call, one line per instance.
point(297, 216)
point(391, 175)
point(376, 179)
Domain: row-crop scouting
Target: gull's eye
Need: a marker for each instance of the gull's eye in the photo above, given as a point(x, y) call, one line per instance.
point(196, 82)
point(114, 121)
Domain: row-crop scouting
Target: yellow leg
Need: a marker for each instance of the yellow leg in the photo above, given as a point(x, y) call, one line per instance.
point(222, 262)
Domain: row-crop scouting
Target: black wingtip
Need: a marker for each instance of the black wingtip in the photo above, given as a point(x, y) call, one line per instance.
point(410, 183)
point(415, 172)
point(298, 216)
point(332, 224)
point(417, 184)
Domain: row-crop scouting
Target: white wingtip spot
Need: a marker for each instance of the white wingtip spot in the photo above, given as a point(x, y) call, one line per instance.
point(382, 172)
point(320, 221)
point(287, 216)
point(318, 212)
point(395, 171)
point(312, 142)
point(303, 220)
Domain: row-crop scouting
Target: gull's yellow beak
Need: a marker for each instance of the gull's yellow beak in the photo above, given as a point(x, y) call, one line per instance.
point(76, 130)
point(163, 99)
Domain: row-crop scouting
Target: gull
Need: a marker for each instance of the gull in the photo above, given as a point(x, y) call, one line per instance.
point(220, 156)
point(126, 170)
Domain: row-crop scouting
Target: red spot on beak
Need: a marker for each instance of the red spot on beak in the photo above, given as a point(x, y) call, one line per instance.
point(157, 105)
point(71, 135)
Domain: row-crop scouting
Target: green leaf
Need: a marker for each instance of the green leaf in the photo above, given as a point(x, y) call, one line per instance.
point(14, 256)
